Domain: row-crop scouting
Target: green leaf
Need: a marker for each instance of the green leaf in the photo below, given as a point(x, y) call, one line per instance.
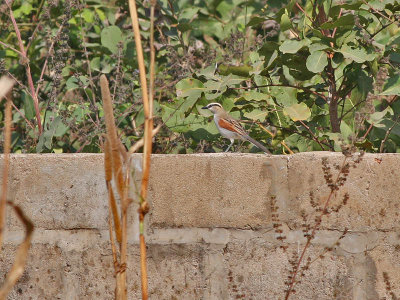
point(317, 46)
point(188, 13)
point(26, 8)
point(176, 121)
point(103, 17)
point(29, 108)
point(317, 61)
point(219, 85)
point(345, 130)
point(55, 128)
point(285, 22)
point(395, 57)
point(72, 83)
point(347, 20)
point(242, 70)
point(293, 46)
point(377, 117)
point(298, 111)
point(110, 37)
point(189, 88)
point(255, 21)
point(358, 55)
point(298, 141)
point(87, 15)
point(253, 95)
point(392, 86)
point(285, 96)
point(256, 115)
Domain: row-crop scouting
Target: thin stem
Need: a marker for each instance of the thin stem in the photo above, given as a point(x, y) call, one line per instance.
point(378, 12)
point(304, 12)
point(282, 85)
point(387, 136)
point(46, 60)
point(334, 30)
point(314, 230)
point(27, 68)
point(6, 165)
point(148, 128)
point(9, 47)
point(312, 134)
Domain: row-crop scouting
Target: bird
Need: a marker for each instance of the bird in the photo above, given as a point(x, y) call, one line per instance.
point(231, 128)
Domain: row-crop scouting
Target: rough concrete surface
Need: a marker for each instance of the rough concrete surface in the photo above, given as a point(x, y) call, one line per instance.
point(210, 231)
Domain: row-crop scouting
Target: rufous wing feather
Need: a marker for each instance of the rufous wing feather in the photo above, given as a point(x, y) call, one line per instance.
point(232, 125)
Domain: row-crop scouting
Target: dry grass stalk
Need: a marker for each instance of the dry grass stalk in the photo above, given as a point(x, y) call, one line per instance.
point(6, 85)
point(113, 165)
point(112, 135)
point(140, 142)
point(148, 129)
point(22, 253)
point(112, 202)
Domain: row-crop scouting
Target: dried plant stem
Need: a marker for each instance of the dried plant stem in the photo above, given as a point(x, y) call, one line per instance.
point(114, 169)
point(22, 253)
point(9, 47)
point(112, 203)
point(47, 58)
point(140, 142)
point(286, 147)
point(148, 128)
point(387, 136)
point(7, 146)
point(314, 230)
point(27, 68)
point(312, 135)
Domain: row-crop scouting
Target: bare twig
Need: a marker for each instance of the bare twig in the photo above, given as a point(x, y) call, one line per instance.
point(312, 134)
point(286, 147)
point(25, 61)
point(22, 115)
point(387, 136)
point(9, 47)
point(368, 130)
point(140, 142)
point(114, 169)
point(5, 90)
point(22, 253)
point(376, 11)
point(47, 58)
point(283, 85)
point(304, 12)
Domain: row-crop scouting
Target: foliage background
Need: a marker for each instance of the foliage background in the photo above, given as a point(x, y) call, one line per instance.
point(305, 75)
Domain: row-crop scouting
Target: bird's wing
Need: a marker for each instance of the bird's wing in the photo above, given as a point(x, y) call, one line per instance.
point(231, 125)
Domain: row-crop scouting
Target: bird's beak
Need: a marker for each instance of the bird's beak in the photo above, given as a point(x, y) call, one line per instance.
point(205, 107)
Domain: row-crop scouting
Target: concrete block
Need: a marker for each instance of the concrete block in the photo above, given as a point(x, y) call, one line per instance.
point(210, 231)
point(372, 187)
point(59, 191)
point(214, 190)
point(386, 258)
point(257, 270)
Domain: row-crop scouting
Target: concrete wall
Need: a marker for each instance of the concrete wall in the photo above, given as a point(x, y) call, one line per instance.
point(210, 231)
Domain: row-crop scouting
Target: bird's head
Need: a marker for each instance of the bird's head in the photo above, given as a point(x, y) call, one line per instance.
point(214, 107)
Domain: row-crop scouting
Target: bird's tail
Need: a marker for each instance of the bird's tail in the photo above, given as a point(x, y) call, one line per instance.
point(257, 144)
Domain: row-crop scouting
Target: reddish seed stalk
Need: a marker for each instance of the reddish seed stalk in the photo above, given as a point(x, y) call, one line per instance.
point(27, 68)
point(314, 230)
